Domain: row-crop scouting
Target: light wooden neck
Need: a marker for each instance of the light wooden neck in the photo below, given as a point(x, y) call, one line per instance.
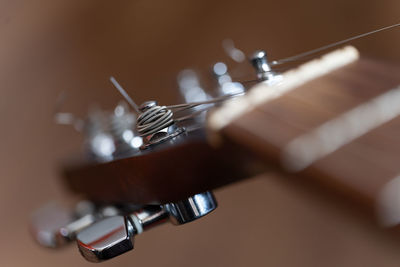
point(336, 125)
point(263, 92)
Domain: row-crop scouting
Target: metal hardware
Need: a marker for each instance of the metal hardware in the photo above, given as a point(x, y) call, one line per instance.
point(234, 53)
point(190, 87)
point(55, 226)
point(106, 239)
point(263, 68)
point(110, 135)
point(148, 217)
point(122, 124)
point(153, 118)
point(155, 124)
point(122, 91)
point(226, 86)
point(191, 208)
point(260, 62)
point(114, 236)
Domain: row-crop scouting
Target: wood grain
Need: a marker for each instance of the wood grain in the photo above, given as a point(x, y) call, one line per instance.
point(360, 169)
point(170, 173)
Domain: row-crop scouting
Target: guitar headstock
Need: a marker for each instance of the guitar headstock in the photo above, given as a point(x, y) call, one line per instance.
point(149, 163)
point(176, 158)
point(185, 151)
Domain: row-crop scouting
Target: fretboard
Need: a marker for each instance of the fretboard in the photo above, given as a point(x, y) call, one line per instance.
point(341, 130)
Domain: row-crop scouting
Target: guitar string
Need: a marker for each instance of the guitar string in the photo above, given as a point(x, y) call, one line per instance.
point(124, 94)
point(306, 55)
point(322, 48)
point(298, 57)
point(184, 106)
point(178, 107)
point(191, 115)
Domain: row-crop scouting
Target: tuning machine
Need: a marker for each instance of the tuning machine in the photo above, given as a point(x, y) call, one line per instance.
point(264, 71)
point(110, 134)
point(114, 236)
point(54, 226)
point(155, 124)
point(225, 84)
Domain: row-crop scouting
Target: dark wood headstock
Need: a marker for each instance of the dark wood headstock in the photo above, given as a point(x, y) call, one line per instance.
point(359, 169)
point(169, 173)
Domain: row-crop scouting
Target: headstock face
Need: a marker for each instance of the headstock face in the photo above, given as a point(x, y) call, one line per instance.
point(164, 160)
point(173, 170)
point(177, 158)
point(157, 154)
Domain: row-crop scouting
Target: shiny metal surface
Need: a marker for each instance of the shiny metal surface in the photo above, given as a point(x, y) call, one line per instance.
point(163, 135)
point(225, 84)
point(156, 124)
point(80, 73)
point(122, 128)
point(54, 225)
point(149, 217)
point(190, 87)
point(263, 69)
point(111, 135)
point(192, 208)
point(84, 207)
point(260, 62)
point(153, 119)
point(47, 224)
point(106, 239)
point(234, 53)
point(114, 235)
point(146, 105)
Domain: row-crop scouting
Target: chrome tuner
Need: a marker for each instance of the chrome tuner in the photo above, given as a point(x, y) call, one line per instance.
point(225, 83)
point(263, 68)
point(106, 239)
point(55, 226)
point(191, 208)
point(260, 62)
point(114, 236)
point(155, 124)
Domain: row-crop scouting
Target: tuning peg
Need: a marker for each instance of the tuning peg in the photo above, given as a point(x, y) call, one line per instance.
point(225, 84)
point(190, 86)
point(263, 69)
point(106, 239)
point(259, 61)
point(54, 225)
point(191, 208)
point(114, 236)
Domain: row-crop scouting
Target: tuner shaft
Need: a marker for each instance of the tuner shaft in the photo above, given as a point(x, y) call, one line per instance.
point(114, 236)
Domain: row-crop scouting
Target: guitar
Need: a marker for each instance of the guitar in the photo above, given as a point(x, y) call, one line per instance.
point(331, 122)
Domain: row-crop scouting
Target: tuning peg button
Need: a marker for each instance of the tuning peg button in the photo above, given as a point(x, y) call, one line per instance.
point(54, 226)
point(106, 239)
point(192, 208)
point(259, 61)
point(114, 236)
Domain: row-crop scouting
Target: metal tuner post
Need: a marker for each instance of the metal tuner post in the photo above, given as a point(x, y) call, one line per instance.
point(114, 235)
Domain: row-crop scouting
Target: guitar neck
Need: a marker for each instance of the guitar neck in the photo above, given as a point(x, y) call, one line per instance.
point(339, 130)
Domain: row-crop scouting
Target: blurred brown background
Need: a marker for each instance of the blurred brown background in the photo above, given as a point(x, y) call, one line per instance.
point(50, 46)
